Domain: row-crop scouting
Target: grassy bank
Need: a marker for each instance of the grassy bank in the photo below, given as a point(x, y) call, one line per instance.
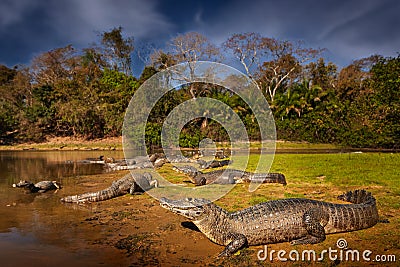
point(115, 143)
point(68, 144)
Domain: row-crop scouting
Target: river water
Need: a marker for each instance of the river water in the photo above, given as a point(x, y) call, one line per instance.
point(36, 229)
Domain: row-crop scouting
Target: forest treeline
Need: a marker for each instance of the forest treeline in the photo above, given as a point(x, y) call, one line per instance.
point(85, 92)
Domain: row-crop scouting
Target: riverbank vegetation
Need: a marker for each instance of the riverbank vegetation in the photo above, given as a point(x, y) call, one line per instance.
point(83, 93)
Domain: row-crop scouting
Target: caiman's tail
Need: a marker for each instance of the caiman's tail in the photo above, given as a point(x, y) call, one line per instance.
point(69, 199)
point(87, 197)
point(91, 197)
point(358, 197)
point(270, 177)
point(362, 213)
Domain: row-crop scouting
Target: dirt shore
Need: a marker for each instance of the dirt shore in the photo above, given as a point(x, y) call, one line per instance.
point(69, 143)
point(138, 226)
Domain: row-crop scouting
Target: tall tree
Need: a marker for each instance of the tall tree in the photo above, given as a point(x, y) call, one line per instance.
point(271, 61)
point(187, 48)
point(118, 49)
point(8, 100)
point(351, 79)
point(322, 74)
point(54, 66)
point(248, 49)
point(283, 64)
point(385, 85)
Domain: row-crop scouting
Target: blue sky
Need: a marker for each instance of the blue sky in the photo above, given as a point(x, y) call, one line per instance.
point(348, 29)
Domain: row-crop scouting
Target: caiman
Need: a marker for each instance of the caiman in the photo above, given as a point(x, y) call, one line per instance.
point(39, 187)
point(229, 176)
point(213, 163)
point(301, 221)
point(127, 184)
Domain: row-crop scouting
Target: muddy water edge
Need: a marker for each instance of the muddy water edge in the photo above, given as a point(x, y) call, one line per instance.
point(38, 230)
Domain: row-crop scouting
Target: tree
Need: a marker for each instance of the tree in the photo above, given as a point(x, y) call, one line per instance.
point(283, 64)
point(6, 74)
point(53, 67)
point(351, 79)
point(385, 101)
point(268, 60)
point(115, 90)
point(247, 48)
point(8, 108)
point(187, 48)
point(117, 50)
point(323, 75)
point(147, 72)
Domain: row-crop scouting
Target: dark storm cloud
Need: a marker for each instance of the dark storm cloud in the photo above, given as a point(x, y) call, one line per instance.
point(348, 29)
point(33, 28)
point(374, 32)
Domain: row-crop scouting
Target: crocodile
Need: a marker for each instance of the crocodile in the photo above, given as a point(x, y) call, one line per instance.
point(155, 160)
point(295, 220)
point(213, 163)
point(229, 176)
point(127, 184)
point(39, 187)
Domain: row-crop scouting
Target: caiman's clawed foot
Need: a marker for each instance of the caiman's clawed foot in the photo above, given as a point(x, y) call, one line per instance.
point(237, 243)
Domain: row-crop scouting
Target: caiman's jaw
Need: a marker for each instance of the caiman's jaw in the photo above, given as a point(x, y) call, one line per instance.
point(191, 208)
point(22, 183)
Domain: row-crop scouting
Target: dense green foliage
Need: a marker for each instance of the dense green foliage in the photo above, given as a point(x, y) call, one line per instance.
point(65, 92)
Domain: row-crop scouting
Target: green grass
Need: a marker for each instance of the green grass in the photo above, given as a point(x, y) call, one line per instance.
point(345, 170)
point(288, 145)
point(322, 176)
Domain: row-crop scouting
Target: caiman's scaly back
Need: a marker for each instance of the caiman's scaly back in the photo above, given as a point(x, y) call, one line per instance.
point(127, 184)
point(301, 221)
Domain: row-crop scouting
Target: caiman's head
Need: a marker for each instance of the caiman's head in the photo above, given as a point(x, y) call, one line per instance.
point(191, 208)
point(23, 183)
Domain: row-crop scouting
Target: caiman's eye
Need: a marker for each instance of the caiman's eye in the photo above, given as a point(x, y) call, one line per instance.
point(198, 213)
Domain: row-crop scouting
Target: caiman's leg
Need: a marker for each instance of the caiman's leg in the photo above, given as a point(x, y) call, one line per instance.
point(238, 242)
point(135, 188)
point(314, 221)
point(199, 181)
point(231, 178)
point(154, 183)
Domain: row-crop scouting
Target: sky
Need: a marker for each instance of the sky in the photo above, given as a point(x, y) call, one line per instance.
point(347, 29)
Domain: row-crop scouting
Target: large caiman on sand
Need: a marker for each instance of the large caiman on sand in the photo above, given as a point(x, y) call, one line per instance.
point(301, 221)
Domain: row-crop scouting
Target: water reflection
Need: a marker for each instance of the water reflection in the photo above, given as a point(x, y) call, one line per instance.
point(47, 165)
point(35, 229)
